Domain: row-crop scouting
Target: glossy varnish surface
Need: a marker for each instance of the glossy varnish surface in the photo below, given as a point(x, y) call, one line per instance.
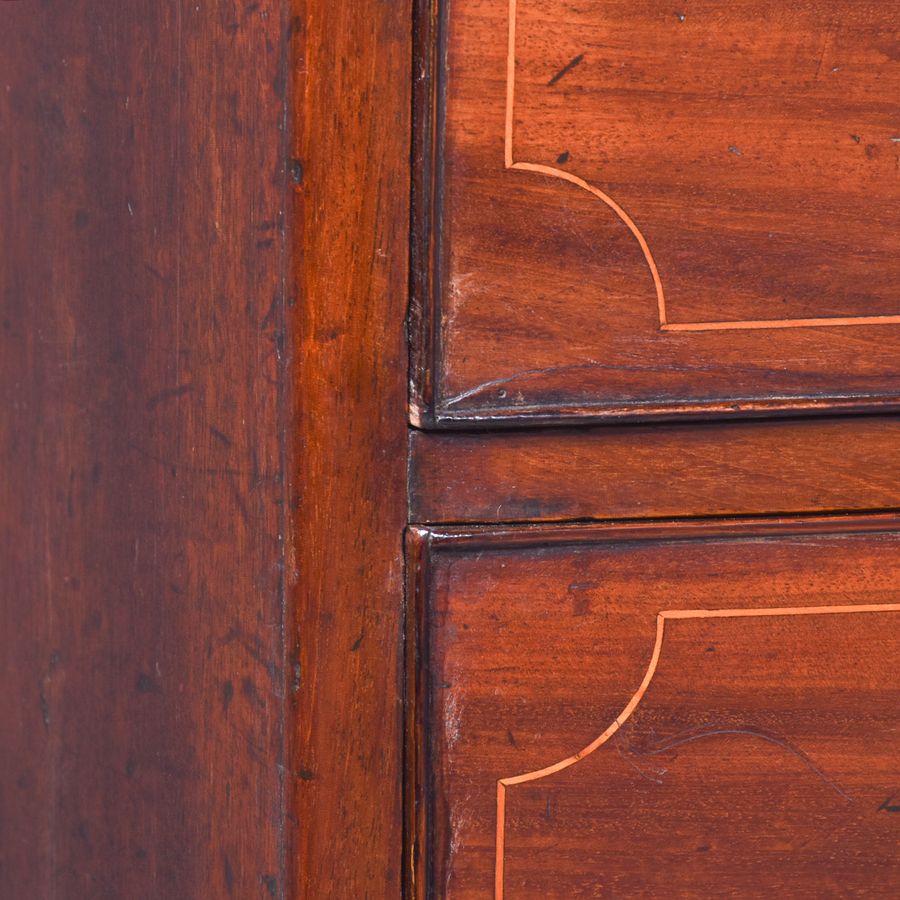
point(649, 471)
point(352, 140)
point(678, 710)
point(204, 217)
point(634, 211)
point(142, 259)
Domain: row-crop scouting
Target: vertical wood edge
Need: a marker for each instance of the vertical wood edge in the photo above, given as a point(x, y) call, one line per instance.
point(351, 155)
point(424, 208)
point(415, 843)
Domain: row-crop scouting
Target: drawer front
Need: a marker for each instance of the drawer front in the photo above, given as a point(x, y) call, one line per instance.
point(627, 210)
point(657, 710)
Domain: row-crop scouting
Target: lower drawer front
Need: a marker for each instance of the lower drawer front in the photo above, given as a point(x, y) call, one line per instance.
point(657, 711)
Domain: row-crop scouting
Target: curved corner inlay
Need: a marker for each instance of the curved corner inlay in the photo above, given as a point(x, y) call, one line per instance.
point(667, 615)
point(664, 324)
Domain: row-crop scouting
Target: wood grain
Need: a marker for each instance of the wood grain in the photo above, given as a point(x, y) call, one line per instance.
point(758, 757)
point(142, 261)
point(622, 217)
point(350, 483)
point(701, 469)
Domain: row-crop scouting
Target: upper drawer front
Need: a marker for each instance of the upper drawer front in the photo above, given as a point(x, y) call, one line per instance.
point(628, 209)
point(659, 711)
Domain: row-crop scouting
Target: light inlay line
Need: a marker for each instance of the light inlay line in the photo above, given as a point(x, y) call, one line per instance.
point(634, 702)
point(664, 324)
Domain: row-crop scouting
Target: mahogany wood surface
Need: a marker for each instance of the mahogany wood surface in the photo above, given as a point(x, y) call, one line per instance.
point(627, 209)
point(203, 267)
point(352, 136)
point(697, 469)
point(142, 262)
point(658, 710)
point(221, 675)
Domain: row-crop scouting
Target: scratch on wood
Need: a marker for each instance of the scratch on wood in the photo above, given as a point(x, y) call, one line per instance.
point(566, 69)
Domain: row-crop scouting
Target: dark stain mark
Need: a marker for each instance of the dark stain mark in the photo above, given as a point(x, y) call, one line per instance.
point(278, 340)
point(233, 108)
point(226, 871)
point(711, 649)
point(358, 642)
point(220, 436)
point(297, 171)
point(146, 685)
point(271, 316)
point(81, 219)
point(889, 806)
point(227, 694)
point(264, 244)
point(130, 767)
point(140, 853)
point(511, 739)
point(704, 849)
point(239, 501)
point(168, 394)
point(581, 606)
point(306, 775)
point(872, 151)
point(84, 832)
point(566, 69)
point(735, 150)
point(270, 883)
point(563, 157)
point(70, 500)
point(248, 689)
point(327, 335)
point(54, 660)
point(157, 274)
point(45, 708)
point(252, 646)
point(282, 72)
point(96, 472)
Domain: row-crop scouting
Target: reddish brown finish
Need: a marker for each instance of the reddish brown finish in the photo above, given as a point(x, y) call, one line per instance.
point(816, 465)
point(350, 352)
point(142, 258)
point(204, 221)
point(627, 210)
point(756, 754)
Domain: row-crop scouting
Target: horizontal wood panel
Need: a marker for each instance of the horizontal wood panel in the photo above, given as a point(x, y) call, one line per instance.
point(658, 710)
point(628, 211)
point(816, 465)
